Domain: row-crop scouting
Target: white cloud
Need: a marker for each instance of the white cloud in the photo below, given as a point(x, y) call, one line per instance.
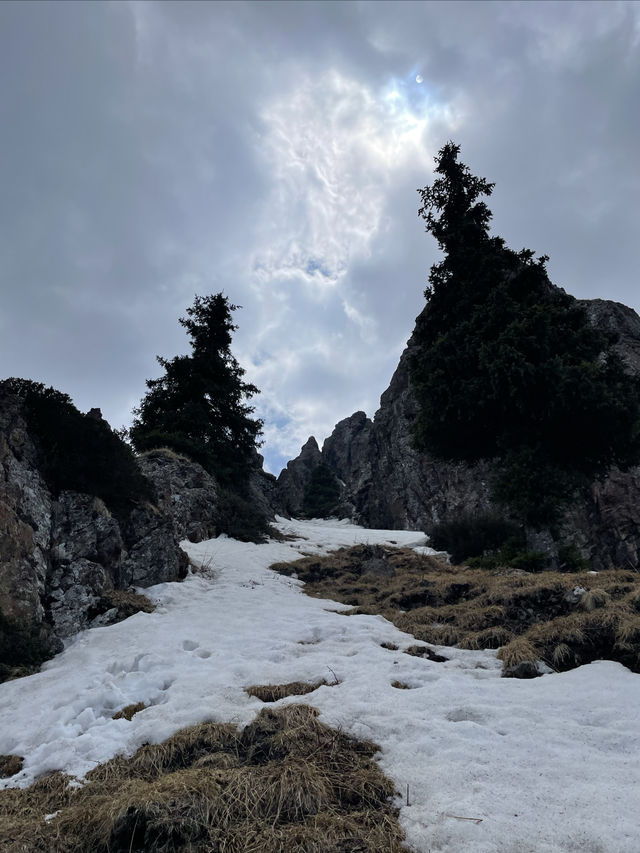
point(335, 149)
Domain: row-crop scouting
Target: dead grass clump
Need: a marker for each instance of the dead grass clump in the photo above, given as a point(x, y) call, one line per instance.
point(279, 536)
point(23, 827)
point(490, 638)
point(128, 602)
point(390, 646)
point(400, 685)
point(166, 452)
point(593, 599)
point(425, 652)
point(10, 765)
point(129, 711)
point(295, 785)
point(634, 600)
point(274, 692)
point(561, 656)
point(517, 651)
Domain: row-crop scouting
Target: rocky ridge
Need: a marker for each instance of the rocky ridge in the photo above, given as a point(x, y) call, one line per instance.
point(387, 484)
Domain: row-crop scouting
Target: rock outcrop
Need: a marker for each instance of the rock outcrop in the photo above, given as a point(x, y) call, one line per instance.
point(294, 478)
point(186, 492)
point(60, 553)
point(386, 483)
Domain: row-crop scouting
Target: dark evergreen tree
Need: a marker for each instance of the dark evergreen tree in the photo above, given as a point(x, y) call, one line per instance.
point(508, 365)
point(199, 406)
point(322, 493)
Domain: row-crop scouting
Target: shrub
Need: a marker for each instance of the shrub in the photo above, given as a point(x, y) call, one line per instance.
point(79, 452)
point(473, 535)
point(241, 519)
point(22, 647)
point(322, 493)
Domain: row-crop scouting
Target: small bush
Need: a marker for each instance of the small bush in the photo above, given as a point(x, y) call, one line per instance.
point(242, 519)
point(473, 535)
point(22, 647)
point(79, 452)
point(322, 493)
point(571, 560)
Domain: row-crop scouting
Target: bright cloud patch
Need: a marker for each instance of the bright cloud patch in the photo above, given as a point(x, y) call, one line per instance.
point(333, 145)
point(336, 150)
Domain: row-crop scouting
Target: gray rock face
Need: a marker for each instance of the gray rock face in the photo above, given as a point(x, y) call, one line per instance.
point(84, 560)
point(25, 519)
point(185, 491)
point(294, 478)
point(59, 555)
point(387, 484)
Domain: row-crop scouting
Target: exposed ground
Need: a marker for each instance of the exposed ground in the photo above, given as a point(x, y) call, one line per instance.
point(286, 783)
point(528, 616)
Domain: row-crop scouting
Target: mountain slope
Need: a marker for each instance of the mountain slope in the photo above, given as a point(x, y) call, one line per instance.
point(541, 765)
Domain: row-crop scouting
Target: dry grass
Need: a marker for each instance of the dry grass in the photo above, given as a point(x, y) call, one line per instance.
point(167, 452)
point(129, 711)
point(285, 784)
point(128, 602)
point(425, 652)
point(448, 605)
point(274, 692)
point(10, 765)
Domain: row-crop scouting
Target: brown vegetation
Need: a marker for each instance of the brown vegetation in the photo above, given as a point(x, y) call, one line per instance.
point(285, 784)
point(10, 765)
point(129, 711)
point(274, 692)
point(502, 608)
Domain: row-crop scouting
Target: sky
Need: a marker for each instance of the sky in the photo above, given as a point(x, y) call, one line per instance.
point(150, 152)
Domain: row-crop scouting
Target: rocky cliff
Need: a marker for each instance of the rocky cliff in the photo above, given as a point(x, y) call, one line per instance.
point(61, 554)
point(386, 483)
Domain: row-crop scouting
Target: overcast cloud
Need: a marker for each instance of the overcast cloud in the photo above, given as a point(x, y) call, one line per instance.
point(149, 152)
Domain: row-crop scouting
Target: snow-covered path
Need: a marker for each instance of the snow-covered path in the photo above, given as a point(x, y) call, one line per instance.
point(544, 766)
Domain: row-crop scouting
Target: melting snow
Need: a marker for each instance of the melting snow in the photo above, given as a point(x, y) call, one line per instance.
point(491, 765)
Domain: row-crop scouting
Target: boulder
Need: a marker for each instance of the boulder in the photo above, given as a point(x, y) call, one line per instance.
point(186, 492)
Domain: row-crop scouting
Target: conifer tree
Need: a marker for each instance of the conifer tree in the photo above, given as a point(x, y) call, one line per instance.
point(322, 493)
point(199, 406)
point(508, 366)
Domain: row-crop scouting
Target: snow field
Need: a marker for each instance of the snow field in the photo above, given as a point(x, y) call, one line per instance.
point(542, 766)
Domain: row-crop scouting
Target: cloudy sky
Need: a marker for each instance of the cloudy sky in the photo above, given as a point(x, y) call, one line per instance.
point(152, 151)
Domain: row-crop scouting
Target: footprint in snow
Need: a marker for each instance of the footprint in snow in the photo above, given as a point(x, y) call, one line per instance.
point(191, 646)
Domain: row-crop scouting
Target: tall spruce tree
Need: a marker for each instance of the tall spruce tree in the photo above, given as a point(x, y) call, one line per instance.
point(199, 406)
point(507, 365)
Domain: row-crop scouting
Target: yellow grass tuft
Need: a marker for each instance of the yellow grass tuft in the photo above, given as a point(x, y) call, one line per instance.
point(129, 711)
point(285, 783)
point(10, 765)
point(516, 652)
point(274, 692)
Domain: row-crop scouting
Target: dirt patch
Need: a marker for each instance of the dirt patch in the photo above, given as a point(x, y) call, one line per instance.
point(567, 619)
point(285, 783)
